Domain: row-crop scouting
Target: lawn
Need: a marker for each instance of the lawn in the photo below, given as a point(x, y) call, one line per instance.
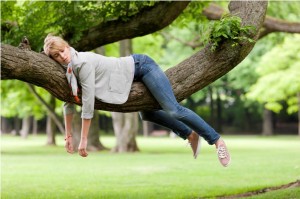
point(164, 168)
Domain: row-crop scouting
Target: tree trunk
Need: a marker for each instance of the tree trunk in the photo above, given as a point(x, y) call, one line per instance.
point(26, 124)
point(219, 113)
point(94, 143)
point(34, 126)
point(147, 128)
point(125, 128)
point(50, 129)
point(212, 107)
point(6, 126)
point(298, 95)
point(267, 122)
point(17, 125)
point(125, 124)
point(186, 78)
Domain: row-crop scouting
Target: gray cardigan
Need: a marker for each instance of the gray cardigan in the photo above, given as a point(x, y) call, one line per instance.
point(108, 79)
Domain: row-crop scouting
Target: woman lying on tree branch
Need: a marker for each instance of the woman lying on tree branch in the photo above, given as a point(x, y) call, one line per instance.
point(109, 79)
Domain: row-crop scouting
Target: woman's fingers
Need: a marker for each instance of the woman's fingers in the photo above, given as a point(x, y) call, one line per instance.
point(82, 152)
point(69, 147)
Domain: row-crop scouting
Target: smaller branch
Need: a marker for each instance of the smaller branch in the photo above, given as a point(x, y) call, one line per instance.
point(51, 113)
point(193, 44)
point(271, 24)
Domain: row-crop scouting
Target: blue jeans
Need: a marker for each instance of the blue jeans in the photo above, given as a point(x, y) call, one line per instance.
point(179, 119)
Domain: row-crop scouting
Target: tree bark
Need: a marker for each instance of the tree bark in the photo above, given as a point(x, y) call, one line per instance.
point(271, 24)
point(267, 123)
point(149, 20)
point(94, 143)
point(186, 78)
point(125, 128)
point(50, 126)
point(26, 124)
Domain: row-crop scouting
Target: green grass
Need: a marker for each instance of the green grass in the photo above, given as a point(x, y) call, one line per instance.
point(164, 168)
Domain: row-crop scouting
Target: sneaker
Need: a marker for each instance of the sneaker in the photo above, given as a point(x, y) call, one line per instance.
point(194, 141)
point(223, 154)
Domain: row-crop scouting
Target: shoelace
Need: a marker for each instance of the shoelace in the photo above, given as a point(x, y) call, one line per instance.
point(222, 153)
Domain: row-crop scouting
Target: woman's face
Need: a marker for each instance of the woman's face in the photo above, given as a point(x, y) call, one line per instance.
point(62, 56)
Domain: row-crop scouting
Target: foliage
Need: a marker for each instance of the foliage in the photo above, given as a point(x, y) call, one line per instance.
point(191, 14)
point(17, 100)
point(286, 10)
point(279, 76)
point(69, 19)
point(229, 28)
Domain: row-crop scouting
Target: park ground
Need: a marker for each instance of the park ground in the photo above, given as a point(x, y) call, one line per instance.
point(164, 168)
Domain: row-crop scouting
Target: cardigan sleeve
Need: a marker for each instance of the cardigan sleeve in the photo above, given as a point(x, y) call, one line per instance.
point(87, 81)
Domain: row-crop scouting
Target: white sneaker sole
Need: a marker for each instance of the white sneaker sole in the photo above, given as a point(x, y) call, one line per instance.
point(198, 147)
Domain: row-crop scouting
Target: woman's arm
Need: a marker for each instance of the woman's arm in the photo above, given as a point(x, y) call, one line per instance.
point(84, 134)
point(87, 82)
point(68, 130)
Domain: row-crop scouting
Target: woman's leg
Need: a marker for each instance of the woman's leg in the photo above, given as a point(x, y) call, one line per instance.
point(158, 84)
point(160, 117)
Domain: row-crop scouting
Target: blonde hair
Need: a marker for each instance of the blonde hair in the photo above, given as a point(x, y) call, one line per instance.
point(54, 44)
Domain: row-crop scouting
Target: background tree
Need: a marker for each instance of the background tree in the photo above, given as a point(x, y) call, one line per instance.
point(125, 124)
point(14, 27)
point(279, 77)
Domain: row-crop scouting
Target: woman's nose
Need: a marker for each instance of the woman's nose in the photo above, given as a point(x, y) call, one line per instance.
point(62, 55)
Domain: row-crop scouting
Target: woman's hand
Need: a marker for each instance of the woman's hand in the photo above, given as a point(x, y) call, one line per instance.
point(69, 144)
point(82, 147)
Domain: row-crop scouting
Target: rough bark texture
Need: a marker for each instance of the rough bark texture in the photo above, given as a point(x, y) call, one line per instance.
point(147, 21)
point(270, 24)
point(186, 78)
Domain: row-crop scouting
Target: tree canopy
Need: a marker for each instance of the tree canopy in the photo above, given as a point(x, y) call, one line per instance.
point(28, 66)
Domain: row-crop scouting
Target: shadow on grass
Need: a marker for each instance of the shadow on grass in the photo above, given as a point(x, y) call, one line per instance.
point(263, 191)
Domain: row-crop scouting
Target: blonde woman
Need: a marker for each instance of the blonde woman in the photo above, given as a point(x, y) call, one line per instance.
point(109, 80)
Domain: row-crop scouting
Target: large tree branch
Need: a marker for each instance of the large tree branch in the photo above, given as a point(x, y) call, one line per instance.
point(186, 78)
point(147, 21)
point(271, 24)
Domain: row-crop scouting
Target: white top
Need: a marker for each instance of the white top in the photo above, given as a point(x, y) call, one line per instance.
point(108, 79)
